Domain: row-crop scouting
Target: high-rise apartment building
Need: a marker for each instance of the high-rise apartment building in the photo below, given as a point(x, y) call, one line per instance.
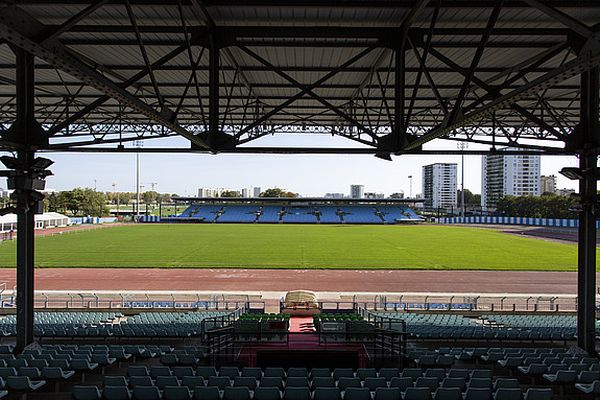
point(508, 175)
point(548, 183)
point(439, 185)
point(357, 191)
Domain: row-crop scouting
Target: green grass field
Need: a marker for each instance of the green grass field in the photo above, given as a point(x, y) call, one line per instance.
point(298, 246)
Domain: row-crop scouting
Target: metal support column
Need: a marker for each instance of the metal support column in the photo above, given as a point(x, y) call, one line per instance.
point(25, 215)
point(213, 90)
point(586, 272)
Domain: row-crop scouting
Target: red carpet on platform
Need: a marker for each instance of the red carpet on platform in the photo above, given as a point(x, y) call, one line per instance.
point(301, 324)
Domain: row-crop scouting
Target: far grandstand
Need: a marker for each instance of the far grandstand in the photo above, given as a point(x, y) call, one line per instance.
point(293, 210)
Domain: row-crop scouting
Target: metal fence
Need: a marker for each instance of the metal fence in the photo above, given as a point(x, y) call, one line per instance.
point(460, 303)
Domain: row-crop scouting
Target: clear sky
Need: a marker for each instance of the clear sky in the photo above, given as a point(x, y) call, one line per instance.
point(309, 175)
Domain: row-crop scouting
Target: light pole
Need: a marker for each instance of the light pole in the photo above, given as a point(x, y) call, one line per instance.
point(114, 185)
point(462, 146)
point(138, 144)
point(141, 187)
point(410, 180)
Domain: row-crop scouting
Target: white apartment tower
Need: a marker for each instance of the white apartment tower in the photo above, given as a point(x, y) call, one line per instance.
point(357, 191)
point(548, 184)
point(508, 175)
point(439, 185)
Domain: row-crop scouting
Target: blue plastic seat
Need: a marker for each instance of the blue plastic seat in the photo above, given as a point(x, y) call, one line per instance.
point(321, 381)
point(85, 393)
point(176, 393)
point(402, 383)
point(267, 393)
point(427, 382)
point(296, 381)
point(115, 381)
point(346, 382)
point(23, 384)
point(206, 393)
point(146, 393)
point(373, 383)
point(363, 373)
point(417, 393)
point(331, 393)
point(230, 372)
point(447, 393)
point(320, 373)
point(508, 394)
point(343, 373)
point(236, 393)
point(389, 373)
point(192, 382)
point(297, 393)
point(392, 393)
point(544, 393)
point(478, 394)
point(275, 372)
point(219, 381)
point(297, 372)
point(166, 380)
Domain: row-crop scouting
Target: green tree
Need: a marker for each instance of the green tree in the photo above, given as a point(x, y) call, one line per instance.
point(470, 198)
point(79, 201)
point(149, 197)
point(231, 193)
point(545, 206)
point(277, 192)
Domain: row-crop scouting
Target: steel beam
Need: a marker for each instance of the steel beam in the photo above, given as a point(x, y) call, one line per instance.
point(548, 80)
point(213, 90)
point(54, 32)
point(395, 4)
point(103, 99)
point(399, 128)
point(302, 150)
point(13, 24)
point(565, 19)
point(302, 92)
point(586, 266)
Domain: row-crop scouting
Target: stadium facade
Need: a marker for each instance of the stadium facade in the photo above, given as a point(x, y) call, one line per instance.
point(293, 210)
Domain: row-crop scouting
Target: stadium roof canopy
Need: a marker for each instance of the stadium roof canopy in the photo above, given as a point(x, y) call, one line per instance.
point(224, 73)
point(388, 75)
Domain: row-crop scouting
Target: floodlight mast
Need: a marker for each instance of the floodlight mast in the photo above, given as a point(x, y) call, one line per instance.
point(462, 146)
point(137, 144)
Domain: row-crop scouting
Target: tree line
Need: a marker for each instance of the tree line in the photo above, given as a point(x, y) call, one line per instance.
point(86, 201)
point(548, 205)
point(272, 192)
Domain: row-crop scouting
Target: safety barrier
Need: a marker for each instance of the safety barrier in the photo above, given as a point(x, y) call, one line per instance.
point(552, 222)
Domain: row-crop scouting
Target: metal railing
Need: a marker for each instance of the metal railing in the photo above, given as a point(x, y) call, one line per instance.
point(469, 303)
point(48, 300)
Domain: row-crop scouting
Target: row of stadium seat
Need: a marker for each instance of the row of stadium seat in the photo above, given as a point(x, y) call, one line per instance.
point(498, 328)
point(298, 214)
point(322, 393)
point(93, 324)
point(146, 380)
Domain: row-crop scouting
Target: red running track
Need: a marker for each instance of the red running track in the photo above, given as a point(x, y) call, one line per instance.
point(316, 280)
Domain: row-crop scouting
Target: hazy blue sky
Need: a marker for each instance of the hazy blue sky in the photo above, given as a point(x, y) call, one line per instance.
point(309, 175)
